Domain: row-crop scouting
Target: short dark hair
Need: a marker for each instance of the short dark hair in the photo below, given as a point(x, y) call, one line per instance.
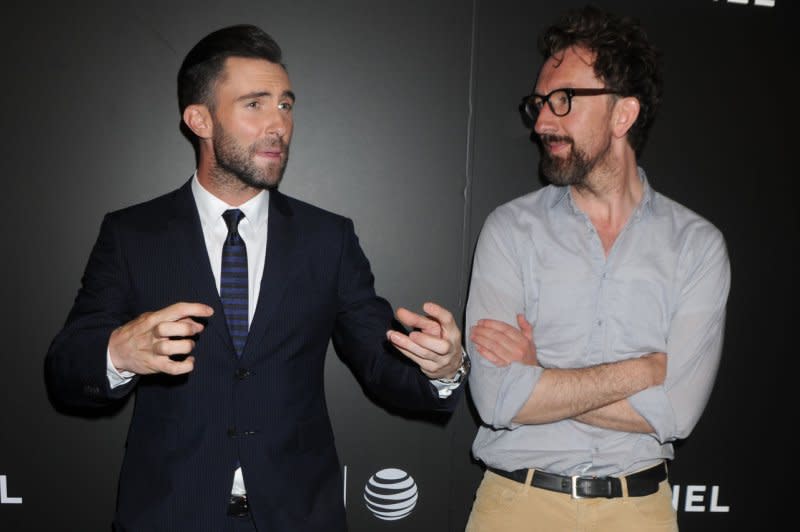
point(625, 59)
point(204, 63)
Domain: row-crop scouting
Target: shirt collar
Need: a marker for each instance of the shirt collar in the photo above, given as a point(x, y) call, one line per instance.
point(646, 205)
point(562, 195)
point(210, 207)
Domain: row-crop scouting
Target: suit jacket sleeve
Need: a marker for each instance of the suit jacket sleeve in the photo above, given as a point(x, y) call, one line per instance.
point(75, 365)
point(360, 338)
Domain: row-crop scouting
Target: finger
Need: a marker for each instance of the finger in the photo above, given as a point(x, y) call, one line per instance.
point(175, 367)
point(435, 344)
point(496, 325)
point(399, 341)
point(409, 346)
point(441, 314)
point(447, 321)
point(497, 352)
point(173, 347)
point(487, 332)
point(503, 332)
point(179, 311)
point(421, 362)
point(180, 328)
point(486, 335)
point(502, 346)
point(490, 356)
point(413, 320)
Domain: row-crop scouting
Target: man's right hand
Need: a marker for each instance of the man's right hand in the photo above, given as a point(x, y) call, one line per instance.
point(501, 343)
point(144, 345)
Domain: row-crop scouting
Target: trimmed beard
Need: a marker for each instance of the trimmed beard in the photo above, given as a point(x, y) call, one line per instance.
point(234, 159)
point(574, 169)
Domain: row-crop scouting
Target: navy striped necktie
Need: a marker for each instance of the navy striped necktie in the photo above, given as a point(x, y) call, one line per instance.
point(233, 280)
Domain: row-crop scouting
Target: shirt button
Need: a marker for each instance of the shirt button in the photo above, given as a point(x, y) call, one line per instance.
point(599, 323)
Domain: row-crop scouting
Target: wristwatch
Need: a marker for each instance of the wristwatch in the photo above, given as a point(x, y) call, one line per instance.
point(445, 387)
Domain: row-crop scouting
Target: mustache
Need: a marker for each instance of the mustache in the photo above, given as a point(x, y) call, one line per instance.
point(549, 139)
point(272, 143)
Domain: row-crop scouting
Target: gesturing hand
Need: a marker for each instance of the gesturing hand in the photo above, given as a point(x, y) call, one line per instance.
point(435, 344)
point(144, 345)
point(501, 343)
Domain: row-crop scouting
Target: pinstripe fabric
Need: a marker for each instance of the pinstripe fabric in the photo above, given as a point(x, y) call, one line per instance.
point(267, 408)
point(233, 280)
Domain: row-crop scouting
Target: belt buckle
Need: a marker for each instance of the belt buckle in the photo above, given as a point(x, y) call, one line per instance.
point(574, 486)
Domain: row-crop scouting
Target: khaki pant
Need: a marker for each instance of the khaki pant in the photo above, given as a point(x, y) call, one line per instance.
point(503, 505)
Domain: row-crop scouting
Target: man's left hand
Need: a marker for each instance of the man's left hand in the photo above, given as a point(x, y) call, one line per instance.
point(434, 343)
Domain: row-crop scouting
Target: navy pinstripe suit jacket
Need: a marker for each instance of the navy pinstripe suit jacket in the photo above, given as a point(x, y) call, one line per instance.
point(267, 409)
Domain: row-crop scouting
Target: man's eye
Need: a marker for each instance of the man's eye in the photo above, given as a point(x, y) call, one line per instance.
point(286, 106)
point(252, 105)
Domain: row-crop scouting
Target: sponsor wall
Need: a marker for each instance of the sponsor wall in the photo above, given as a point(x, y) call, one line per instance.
point(407, 122)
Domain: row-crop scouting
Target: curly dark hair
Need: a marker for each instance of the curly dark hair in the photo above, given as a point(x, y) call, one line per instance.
point(625, 59)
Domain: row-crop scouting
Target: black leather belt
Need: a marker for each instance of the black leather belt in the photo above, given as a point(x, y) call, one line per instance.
point(639, 484)
point(238, 506)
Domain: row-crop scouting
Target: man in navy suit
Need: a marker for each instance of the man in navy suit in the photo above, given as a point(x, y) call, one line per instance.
point(229, 434)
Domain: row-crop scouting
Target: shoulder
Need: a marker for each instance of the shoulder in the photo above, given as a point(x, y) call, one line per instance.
point(687, 224)
point(525, 211)
point(305, 211)
point(157, 210)
point(309, 218)
point(698, 244)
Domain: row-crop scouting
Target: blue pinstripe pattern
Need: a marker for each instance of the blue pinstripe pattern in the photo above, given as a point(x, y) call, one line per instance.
point(233, 280)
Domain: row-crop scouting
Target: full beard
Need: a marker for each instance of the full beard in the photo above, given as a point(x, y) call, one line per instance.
point(236, 160)
point(574, 169)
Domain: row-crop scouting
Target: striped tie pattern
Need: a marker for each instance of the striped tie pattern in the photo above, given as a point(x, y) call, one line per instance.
point(233, 281)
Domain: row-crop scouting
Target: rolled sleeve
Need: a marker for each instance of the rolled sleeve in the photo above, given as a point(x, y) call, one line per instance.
point(498, 292)
point(694, 343)
point(655, 406)
point(500, 393)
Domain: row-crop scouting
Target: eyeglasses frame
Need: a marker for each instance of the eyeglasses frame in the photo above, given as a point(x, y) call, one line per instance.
point(529, 104)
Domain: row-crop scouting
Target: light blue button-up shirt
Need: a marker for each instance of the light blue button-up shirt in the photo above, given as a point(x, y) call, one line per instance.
point(662, 288)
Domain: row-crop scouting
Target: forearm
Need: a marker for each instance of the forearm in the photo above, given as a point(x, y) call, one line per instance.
point(568, 393)
point(619, 416)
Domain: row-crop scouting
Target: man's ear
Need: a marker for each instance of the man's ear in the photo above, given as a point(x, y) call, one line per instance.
point(197, 117)
point(626, 111)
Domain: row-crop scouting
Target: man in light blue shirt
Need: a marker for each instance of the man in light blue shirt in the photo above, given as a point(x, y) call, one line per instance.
point(597, 305)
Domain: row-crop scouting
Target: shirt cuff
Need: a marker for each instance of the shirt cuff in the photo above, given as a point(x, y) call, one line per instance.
point(445, 387)
point(116, 378)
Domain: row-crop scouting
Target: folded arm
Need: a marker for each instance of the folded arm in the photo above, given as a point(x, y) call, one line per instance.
point(594, 395)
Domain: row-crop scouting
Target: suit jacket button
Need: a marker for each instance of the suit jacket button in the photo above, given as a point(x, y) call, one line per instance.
point(232, 432)
point(242, 373)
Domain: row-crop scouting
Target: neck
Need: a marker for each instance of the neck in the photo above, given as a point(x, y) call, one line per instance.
point(223, 184)
point(611, 194)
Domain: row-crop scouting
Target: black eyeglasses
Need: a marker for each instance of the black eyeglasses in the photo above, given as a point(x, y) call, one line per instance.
point(559, 100)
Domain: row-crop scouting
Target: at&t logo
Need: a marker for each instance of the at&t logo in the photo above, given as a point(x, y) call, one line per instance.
point(391, 494)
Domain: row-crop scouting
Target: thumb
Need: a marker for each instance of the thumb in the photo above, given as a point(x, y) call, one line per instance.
point(525, 327)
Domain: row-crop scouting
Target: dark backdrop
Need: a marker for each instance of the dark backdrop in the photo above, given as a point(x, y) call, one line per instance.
point(407, 122)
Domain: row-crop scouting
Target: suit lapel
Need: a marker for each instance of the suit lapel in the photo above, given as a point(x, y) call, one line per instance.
point(187, 236)
point(281, 245)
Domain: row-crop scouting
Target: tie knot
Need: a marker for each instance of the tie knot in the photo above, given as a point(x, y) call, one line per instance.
point(232, 218)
